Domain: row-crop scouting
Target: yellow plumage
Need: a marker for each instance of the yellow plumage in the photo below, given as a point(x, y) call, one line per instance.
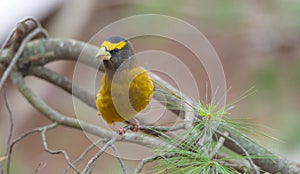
point(121, 98)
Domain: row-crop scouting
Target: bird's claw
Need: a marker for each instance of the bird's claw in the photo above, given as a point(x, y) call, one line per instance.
point(136, 126)
point(121, 131)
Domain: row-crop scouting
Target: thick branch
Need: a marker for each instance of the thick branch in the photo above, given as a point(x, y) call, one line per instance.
point(61, 81)
point(40, 52)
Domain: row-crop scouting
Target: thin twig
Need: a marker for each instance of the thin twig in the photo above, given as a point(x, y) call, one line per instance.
point(84, 153)
point(150, 159)
point(13, 31)
point(119, 158)
point(55, 152)
point(39, 167)
point(218, 145)
point(10, 35)
point(143, 162)
point(156, 129)
point(19, 52)
point(239, 165)
point(241, 147)
point(11, 127)
point(99, 153)
point(34, 20)
point(11, 121)
point(50, 126)
point(189, 116)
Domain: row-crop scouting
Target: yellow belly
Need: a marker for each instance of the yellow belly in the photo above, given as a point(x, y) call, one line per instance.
point(123, 97)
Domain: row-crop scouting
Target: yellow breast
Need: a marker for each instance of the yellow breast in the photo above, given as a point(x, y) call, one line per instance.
point(122, 97)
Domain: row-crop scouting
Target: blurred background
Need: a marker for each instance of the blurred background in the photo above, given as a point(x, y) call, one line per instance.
point(257, 41)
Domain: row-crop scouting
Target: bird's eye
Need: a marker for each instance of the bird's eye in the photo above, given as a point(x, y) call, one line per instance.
point(114, 50)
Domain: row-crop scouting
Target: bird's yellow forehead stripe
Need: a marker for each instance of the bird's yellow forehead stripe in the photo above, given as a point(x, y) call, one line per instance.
point(111, 46)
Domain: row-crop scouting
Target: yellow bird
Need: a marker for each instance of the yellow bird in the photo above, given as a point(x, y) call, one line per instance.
point(126, 88)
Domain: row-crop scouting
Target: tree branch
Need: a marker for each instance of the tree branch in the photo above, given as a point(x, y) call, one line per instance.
point(40, 52)
point(64, 83)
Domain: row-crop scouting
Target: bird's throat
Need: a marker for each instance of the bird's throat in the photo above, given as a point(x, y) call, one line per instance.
point(109, 68)
point(112, 67)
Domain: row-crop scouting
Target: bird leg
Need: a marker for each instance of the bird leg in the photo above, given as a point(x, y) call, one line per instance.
point(136, 125)
point(134, 122)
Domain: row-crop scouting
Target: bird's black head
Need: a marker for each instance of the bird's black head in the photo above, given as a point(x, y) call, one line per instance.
point(114, 52)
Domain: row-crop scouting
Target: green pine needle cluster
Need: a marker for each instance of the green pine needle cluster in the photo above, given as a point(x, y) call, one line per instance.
point(192, 153)
point(195, 149)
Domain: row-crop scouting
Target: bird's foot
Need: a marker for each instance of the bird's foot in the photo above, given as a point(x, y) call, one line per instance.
point(136, 125)
point(120, 130)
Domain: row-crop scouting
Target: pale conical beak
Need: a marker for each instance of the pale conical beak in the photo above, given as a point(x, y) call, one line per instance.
point(103, 54)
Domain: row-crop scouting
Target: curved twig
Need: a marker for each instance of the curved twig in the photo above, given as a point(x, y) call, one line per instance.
point(225, 135)
point(24, 135)
point(18, 54)
point(143, 162)
point(113, 146)
point(84, 153)
point(100, 152)
point(11, 127)
point(55, 152)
